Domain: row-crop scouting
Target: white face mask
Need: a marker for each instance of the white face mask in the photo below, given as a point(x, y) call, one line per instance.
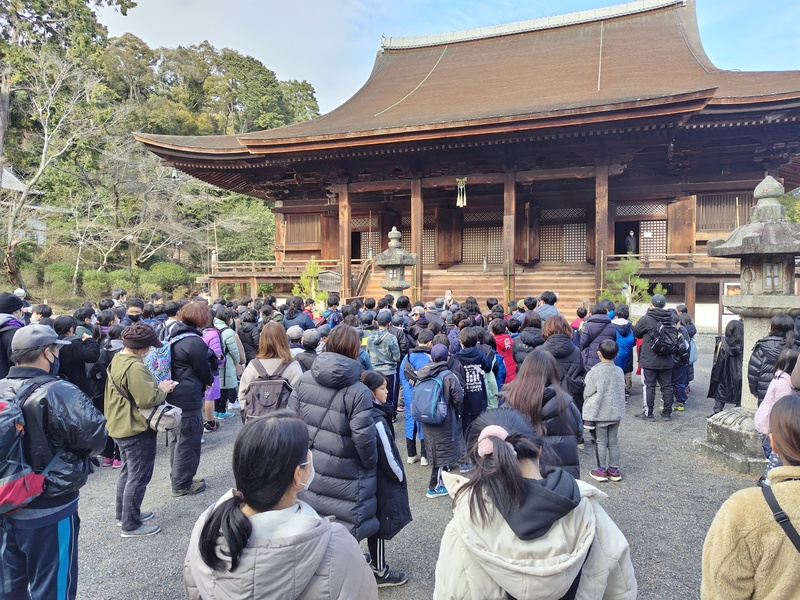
point(313, 472)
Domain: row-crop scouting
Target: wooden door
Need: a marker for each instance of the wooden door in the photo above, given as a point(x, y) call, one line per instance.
point(680, 226)
point(449, 223)
point(329, 230)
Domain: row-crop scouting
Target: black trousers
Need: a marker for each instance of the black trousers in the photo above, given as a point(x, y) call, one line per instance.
point(664, 379)
point(184, 450)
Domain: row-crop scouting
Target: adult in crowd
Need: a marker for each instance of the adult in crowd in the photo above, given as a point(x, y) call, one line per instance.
point(192, 371)
point(547, 306)
point(657, 367)
point(26, 306)
point(630, 243)
point(11, 319)
point(518, 532)
point(295, 334)
point(596, 328)
point(725, 386)
point(529, 338)
point(760, 369)
point(538, 395)
point(748, 552)
point(129, 387)
point(557, 334)
point(63, 430)
point(294, 315)
point(337, 408)
point(249, 333)
point(110, 346)
point(260, 540)
point(273, 354)
point(76, 358)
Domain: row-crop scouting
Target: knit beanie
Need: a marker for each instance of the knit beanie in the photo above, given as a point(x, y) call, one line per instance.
point(9, 303)
point(140, 335)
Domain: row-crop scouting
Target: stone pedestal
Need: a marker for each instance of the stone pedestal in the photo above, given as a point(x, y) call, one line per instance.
point(732, 441)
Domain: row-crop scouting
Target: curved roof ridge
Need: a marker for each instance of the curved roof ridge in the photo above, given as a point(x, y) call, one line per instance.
point(585, 16)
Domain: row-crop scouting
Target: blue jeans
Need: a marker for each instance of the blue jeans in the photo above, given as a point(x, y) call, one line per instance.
point(40, 557)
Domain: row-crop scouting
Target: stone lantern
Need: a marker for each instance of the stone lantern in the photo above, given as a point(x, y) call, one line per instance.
point(395, 260)
point(767, 248)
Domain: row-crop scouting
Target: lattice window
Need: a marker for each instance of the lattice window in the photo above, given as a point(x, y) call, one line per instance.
point(428, 244)
point(483, 217)
point(718, 212)
point(482, 241)
point(369, 240)
point(364, 223)
point(405, 221)
point(653, 238)
point(641, 210)
point(562, 242)
point(560, 214)
point(303, 229)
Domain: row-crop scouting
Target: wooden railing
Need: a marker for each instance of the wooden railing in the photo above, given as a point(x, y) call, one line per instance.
point(676, 261)
point(256, 268)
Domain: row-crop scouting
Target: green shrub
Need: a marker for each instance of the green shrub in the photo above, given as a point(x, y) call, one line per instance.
point(181, 291)
point(167, 276)
point(96, 284)
point(60, 292)
point(144, 291)
point(59, 272)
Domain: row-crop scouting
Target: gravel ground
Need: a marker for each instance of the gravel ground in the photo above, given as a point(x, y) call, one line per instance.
point(664, 505)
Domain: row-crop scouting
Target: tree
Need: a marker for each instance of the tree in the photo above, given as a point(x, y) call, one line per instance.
point(307, 287)
point(791, 200)
point(626, 286)
point(300, 100)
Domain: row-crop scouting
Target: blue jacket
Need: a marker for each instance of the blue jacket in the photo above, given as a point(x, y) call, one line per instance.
point(626, 342)
point(417, 358)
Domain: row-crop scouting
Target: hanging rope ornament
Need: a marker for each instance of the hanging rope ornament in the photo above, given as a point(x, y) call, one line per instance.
point(461, 197)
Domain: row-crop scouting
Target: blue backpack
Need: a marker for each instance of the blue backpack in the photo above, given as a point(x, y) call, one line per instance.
point(429, 404)
point(159, 360)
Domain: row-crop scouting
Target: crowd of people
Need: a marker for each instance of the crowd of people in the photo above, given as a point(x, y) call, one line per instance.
point(498, 403)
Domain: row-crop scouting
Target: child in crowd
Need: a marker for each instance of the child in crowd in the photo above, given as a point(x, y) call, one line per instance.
point(504, 348)
point(384, 354)
point(416, 359)
point(393, 511)
point(443, 442)
point(577, 324)
point(780, 386)
point(680, 367)
point(625, 341)
point(604, 404)
point(726, 374)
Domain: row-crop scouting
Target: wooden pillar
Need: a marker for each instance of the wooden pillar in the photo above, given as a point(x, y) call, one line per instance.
point(242, 290)
point(280, 238)
point(254, 287)
point(416, 234)
point(601, 225)
point(345, 240)
point(213, 289)
point(690, 297)
point(509, 230)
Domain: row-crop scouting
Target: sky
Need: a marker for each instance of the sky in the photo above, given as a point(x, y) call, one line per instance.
point(332, 43)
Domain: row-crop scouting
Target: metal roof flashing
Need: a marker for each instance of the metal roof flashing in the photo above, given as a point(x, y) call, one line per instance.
point(576, 18)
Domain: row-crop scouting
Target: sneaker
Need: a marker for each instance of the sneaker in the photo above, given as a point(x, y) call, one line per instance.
point(665, 416)
point(423, 461)
point(107, 462)
point(645, 415)
point(688, 389)
point(401, 408)
point(599, 475)
point(680, 406)
point(412, 459)
point(224, 415)
point(614, 474)
point(198, 485)
point(234, 405)
point(210, 426)
point(581, 446)
point(143, 516)
point(116, 464)
point(435, 493)
point(466, 467)
point(390, 578)
point(142, 531)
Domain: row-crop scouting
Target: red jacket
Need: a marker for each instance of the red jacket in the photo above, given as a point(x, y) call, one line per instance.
point(505, 347)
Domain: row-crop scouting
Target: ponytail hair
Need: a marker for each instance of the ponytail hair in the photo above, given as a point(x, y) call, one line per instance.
point(265, 455)
point(498, 477)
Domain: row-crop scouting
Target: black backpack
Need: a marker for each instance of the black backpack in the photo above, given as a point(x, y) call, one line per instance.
point(267, 393)
point(664, 340)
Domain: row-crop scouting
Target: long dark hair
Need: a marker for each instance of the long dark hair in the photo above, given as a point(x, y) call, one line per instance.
point(734, 333)
point(497, 477)
point(783, 326)
point(526, 392)
point(784, 425)
point(265, 455)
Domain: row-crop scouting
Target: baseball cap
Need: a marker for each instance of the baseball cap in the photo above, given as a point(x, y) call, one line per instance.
point(417, 310)
point(658, 301)
point(295, 332)
point(324, 330)
point(35, 336)
point(384, 317)
point(20, 293)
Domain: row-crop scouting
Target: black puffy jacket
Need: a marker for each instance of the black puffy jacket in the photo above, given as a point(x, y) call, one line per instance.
point(646, 328)
point(562, 432)
point(337, 408)
point(190, 368)
point(249, 336)
point(761, 368)
point(57, 416)
point(596, 328)
point(526, 342)
point(568, 357)
point(393, 511)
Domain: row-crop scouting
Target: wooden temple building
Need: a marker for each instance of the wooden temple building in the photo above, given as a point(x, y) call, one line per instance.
point(561, 134)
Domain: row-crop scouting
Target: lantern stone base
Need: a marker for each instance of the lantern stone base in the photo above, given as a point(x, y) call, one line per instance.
point(733, 442)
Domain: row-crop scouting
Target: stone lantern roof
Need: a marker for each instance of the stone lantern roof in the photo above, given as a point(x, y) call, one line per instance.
point(768, 233)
